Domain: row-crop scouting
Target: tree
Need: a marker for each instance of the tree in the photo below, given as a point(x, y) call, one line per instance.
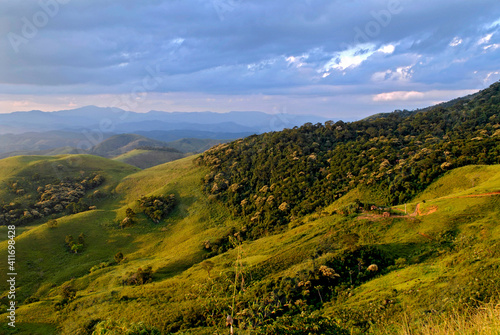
point(68, 291)
point(52, 223)
point(207, 266)
point(76, 247)
point(130, 213)
point(118, 257)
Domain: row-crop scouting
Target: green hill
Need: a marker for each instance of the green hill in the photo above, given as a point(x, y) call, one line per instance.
point(194, 145)
point(436, 249)
point(143, 158)
point(383, 226)
point(120, 144)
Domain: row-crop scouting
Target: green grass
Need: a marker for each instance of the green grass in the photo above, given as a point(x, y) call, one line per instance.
point(474, 179)
point(55, 168)
point(441, 253)
point(148, 158)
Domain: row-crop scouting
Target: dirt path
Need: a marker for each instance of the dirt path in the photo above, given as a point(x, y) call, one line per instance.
point(416, 211)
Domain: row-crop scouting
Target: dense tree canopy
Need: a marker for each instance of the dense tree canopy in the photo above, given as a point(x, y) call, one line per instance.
point(271, 178)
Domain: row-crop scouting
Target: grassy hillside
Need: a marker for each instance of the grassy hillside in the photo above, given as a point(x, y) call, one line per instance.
point(31, 171)
point(194, 145)
point(123, 143)
point(144, 159)
point(429, 261)
point(381, 226)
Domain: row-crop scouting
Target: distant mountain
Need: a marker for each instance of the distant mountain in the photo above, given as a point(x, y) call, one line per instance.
point(107, 119)
point(37, 132)
point(49, 152)
point(40, 141)
point(55, 142)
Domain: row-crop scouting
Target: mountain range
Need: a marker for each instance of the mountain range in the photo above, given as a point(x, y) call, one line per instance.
point(81, 130)
point(115, 120)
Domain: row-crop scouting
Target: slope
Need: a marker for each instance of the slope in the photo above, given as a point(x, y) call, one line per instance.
point(334, 229)
point(123, 143)
point(146, 158)
point(190, 292)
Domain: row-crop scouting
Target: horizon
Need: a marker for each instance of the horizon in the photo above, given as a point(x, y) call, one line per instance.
point(240, 111)
point(334, 60)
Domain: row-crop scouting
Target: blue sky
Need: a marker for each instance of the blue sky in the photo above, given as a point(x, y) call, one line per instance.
point(341, 59)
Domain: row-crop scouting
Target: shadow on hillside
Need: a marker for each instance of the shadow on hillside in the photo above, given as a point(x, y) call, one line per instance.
point(176, 267)
point(412, 251)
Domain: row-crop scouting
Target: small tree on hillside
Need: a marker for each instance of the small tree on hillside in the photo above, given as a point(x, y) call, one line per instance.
point(118, 257)
point(52, 223)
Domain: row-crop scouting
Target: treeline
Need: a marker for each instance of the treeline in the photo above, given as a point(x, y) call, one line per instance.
point(272, 178)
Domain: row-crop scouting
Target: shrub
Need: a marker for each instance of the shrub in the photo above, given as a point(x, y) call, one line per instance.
point(52, 223)
point(302, 324)
point(118, 257)
point(99, 266)
point(68, 292)
point(122, 327)
point(157, 207)
point(140, 277)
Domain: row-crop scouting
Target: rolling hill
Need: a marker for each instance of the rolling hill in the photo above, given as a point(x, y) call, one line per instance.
point(381, 226)
point(120, 144)
point(146, 158)
point(439, 247)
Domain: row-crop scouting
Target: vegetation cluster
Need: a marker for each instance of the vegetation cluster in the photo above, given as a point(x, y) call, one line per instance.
point(66, 196)
point(157, 207)
point(277, 177)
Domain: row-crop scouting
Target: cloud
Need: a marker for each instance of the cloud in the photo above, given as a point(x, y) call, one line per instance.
point(399, 96)
point(248, 48)
point(434, 96)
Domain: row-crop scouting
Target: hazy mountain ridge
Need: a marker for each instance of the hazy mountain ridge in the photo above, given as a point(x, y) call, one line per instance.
point(37, 132)
point(90, 117)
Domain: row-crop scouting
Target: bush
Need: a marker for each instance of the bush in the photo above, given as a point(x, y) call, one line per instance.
point(122, 327)
point(140, 277)
point(302, 324)
point(99, 266)
point(157, 207)
point(52, 223)
point(68, 292)
point(118, 257)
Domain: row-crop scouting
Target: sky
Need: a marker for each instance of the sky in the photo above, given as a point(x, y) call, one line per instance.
point(342, 59)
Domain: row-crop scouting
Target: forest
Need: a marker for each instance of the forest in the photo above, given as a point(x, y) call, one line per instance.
point(277, 177)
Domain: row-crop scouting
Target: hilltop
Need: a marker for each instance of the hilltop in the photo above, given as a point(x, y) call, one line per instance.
point(387, 225)
point(146, 157)
point(120, 144)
